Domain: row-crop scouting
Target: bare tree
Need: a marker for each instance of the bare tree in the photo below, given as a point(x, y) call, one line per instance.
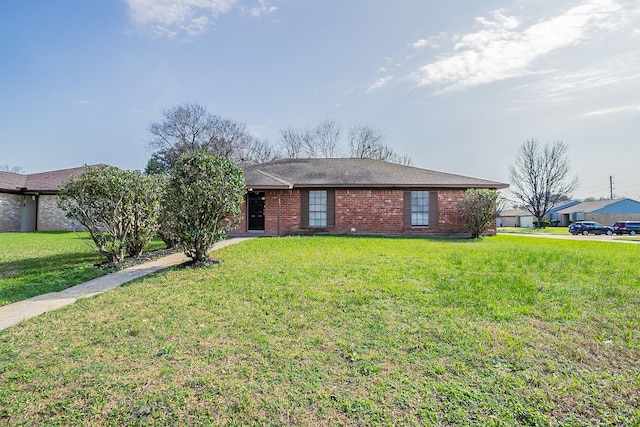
point(539, 177)
point(326, 138)
point(259, 151)
point(403, 159)
point(12, 169)
point(322, 141)
point(292, 143)
point(190, 127)
point(367, 142)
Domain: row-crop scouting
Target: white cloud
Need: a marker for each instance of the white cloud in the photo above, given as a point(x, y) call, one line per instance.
point(432, 42)
point(615, 74)
point(419, 44)
point(615, 110)
point(263, 8)
point(380, 83)
point(503, 48)
point(168, 18)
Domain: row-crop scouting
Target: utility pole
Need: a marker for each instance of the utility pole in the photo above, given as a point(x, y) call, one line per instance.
point(611, 187)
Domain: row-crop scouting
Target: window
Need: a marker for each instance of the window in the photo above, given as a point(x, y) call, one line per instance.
point(419, 208)
point(318, 208)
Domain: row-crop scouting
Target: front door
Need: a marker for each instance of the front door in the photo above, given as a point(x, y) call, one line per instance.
point(255, 203)
point(28, 221)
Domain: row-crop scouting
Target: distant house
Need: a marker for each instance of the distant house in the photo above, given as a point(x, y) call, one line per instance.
point(29, 202)
point(603, 211)
point(523, 218)
point(551, 215)
point(297, 196)
point(515, 218)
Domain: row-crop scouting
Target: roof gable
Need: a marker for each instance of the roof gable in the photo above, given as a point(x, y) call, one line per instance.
point(301, 173)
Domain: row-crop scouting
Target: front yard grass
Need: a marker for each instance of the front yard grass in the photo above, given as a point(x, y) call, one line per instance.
point(36, 263)
point(525, 230)
point(504, 331)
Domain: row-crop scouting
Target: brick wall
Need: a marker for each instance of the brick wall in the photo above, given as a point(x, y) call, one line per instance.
point(449, 221)
point(10, 212)
point(367, 210)
point(51, 217)
point(370, 211)
point(287, 204)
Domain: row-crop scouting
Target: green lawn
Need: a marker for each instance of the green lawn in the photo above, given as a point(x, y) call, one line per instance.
point(504, 331)
point(35, 263)
point(32, 264)
point(563, 231)
point(524, 230)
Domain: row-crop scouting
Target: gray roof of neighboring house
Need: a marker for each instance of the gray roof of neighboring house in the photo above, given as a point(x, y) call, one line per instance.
point(301, 173)
point(45, 182)
point(562, 205)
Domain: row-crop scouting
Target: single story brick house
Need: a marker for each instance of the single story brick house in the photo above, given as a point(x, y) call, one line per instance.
point(29, 202)
point(292, 196)
point(299, 196)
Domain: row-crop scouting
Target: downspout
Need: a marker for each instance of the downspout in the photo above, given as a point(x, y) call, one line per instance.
point(278, 215)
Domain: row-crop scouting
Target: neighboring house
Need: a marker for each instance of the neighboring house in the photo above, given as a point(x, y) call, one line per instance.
point(298, 196)
point(551, 215)
point(523, 218)
point(603, 211)
point(515, 218)
point(29, 202)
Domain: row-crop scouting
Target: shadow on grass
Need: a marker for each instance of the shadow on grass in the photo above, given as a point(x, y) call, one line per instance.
point(29, 277)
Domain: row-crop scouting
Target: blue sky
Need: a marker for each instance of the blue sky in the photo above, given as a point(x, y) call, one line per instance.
point(456, 85)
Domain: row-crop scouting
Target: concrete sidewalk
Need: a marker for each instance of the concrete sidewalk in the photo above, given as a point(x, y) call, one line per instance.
point(14, 313)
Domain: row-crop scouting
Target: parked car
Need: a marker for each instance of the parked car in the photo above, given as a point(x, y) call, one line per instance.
point(627, 227)
point(589, 227)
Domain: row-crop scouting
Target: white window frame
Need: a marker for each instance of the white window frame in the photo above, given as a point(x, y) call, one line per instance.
point(318, 208)
point(419, 208)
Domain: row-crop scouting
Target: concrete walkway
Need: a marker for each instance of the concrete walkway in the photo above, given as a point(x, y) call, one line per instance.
point(14, 313)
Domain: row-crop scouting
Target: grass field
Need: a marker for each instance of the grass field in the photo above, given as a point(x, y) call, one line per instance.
point(35, 263)
point(503, 331)
point(561, 231)
point(524, 230)
point(32, 264)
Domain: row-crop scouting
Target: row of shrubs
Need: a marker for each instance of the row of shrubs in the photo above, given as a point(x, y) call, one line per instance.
point(192, 207)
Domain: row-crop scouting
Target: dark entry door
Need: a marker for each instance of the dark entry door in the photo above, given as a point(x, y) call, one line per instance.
point(255, 201)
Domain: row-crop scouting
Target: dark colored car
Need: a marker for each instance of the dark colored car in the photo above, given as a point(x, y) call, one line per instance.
point(589, 227)
point(627, 227)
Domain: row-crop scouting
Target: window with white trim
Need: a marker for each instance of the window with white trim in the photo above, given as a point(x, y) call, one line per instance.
point(318, 208)
point(419, 208)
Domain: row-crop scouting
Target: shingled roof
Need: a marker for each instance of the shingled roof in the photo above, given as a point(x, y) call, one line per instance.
point(45, 182)
point(309, 173)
